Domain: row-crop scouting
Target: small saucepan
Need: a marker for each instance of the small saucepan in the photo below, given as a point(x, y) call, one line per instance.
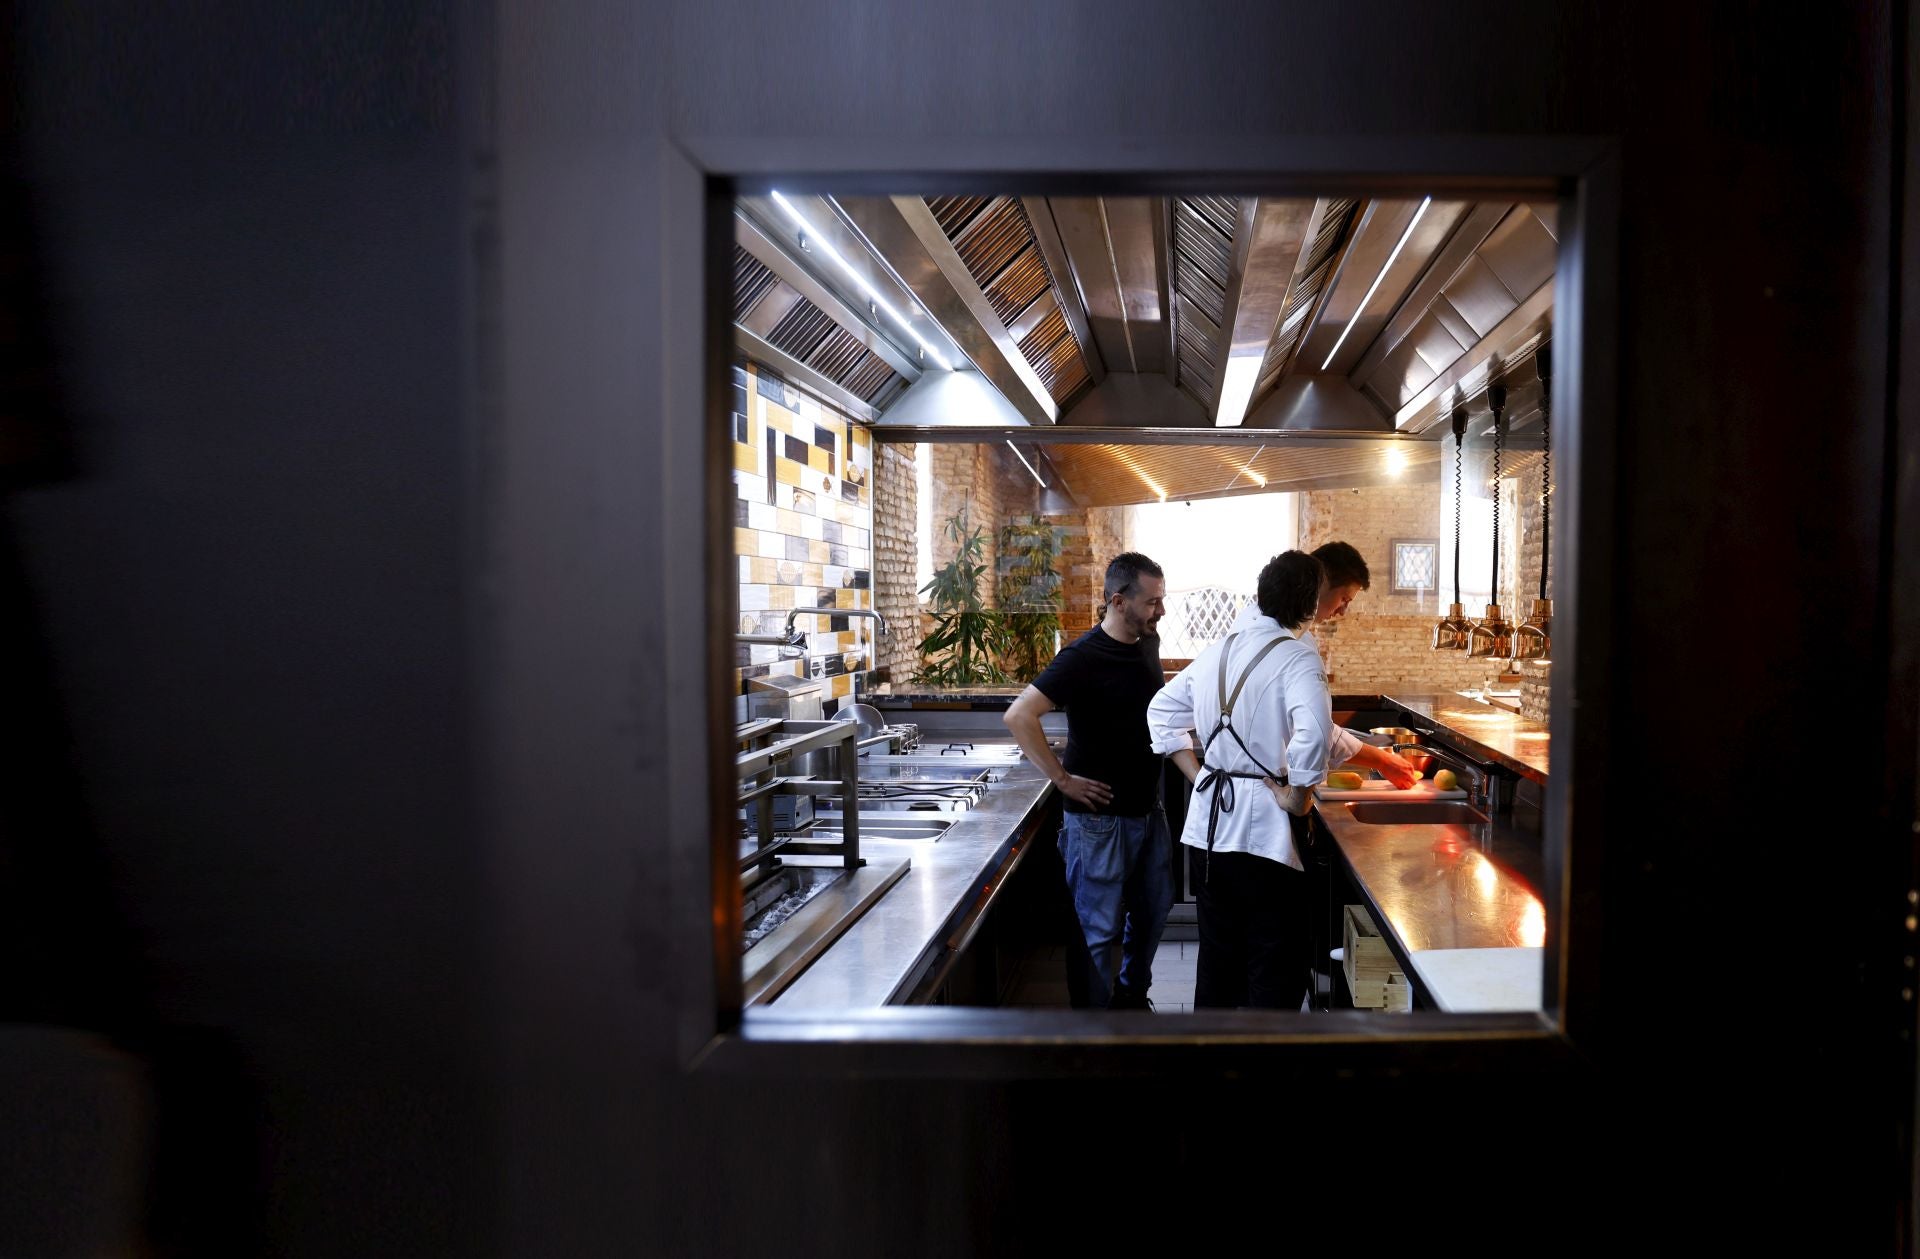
point(870, 719)
point(1417, 758)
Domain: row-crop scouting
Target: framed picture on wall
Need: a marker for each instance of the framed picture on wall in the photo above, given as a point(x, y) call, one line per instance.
point(1416, 565)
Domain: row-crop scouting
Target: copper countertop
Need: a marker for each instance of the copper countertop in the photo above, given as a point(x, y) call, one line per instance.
point(1508, 738)
point(1445, 886)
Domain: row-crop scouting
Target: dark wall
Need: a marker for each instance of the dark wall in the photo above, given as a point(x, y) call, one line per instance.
point(249, 595)
point(373, 776)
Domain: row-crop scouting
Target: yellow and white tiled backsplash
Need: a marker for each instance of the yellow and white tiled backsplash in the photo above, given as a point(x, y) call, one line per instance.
point(803, 530)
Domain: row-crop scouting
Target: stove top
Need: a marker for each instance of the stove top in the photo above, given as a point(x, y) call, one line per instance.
point(941, 749)
point(918, 783)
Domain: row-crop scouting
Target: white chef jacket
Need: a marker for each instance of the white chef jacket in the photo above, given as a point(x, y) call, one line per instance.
point(1283, 714)
point(1346, 744)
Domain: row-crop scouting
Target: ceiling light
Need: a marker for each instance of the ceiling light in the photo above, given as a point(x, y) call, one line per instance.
point(1236, 388)
point(814, 242)
point(1492, 635)
point(1387, 266)
point(1023, 463)
point(1450, 633)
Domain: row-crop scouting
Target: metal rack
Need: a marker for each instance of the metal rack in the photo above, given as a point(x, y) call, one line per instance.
point(770, 745)
point(766, 766)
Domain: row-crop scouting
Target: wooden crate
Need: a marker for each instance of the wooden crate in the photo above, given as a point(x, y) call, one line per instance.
point(1368, 994)
point(1367, 956)
point(1372, 977)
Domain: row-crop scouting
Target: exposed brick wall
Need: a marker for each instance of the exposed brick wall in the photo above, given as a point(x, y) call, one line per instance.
point(993, 487)
point(895, 547)
point(1371, 519)
point(997, 491)
point(1382, 643)
point(1535, 678)
point(1091, 539)
point(1079, 578)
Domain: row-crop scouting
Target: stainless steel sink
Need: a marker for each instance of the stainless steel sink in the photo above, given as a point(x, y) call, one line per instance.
point(1416, 813)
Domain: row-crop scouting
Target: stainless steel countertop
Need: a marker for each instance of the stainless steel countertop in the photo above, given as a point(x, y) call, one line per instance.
point(1448, 890)
point(1430, 886)
point(1443, 886)
point(912, 695)
point(876, 958)
point(1507, 738)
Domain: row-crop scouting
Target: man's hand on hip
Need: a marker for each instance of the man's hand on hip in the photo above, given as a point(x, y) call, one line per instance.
point(1294, 800)
point(1086, 792)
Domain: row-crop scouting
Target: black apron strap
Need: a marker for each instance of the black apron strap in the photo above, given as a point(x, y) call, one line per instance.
point(1226, 707)
point(1220, 675)
point(1220, 781)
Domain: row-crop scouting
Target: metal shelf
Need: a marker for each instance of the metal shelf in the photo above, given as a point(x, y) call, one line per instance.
point(780, 741)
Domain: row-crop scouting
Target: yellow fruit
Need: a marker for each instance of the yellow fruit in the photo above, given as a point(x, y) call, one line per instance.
point(1343, 782)
point(1446, 780)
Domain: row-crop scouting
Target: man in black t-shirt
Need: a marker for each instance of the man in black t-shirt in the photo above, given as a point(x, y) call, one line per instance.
point(1113, 835)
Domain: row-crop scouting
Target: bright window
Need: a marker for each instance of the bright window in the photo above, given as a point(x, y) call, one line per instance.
point(1212, 551)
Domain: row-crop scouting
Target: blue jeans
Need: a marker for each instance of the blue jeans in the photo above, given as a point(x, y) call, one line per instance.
point(1120, 870)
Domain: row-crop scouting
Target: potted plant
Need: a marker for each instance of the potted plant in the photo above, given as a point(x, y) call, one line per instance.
point(1029, 596)
point(967, 634)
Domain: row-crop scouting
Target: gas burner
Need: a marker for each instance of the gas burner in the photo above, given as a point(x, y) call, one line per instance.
point(905, 737)
point(931, 767)
point(950, 797)
point(904, 787)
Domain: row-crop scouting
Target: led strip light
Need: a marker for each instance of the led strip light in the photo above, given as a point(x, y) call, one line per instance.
point(818, 243)
point(1387, 266)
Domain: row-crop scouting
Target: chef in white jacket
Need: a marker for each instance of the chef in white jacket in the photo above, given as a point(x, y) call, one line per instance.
point(1346, 576)
point(1258, 765)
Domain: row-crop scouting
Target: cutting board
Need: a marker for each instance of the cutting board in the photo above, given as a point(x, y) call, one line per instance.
point(1484, 980)
point(1381, 789)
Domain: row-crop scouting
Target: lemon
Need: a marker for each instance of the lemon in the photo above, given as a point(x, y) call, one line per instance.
point(1343, 782)
point(1446, 780)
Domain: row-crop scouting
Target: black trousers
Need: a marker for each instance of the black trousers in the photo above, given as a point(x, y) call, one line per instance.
point(1253, 934)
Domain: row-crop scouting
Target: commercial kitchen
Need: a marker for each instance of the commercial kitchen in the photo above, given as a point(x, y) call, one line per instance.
point(990, 391)
point(372, 834)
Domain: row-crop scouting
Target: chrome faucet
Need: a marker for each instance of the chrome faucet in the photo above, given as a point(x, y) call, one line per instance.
point(793, 642)
point(791, 645)
point(1479, 787)
point(795, 636)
